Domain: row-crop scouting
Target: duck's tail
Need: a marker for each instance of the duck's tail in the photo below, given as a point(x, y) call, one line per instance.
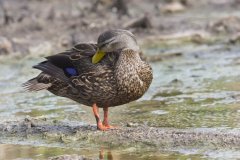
point(34, 85)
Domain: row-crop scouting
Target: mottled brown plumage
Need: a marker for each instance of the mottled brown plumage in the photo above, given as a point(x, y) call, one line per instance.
point(120, 77)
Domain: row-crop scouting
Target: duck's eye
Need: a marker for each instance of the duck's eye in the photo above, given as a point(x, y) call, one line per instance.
point(114, 45)
point(102, 45)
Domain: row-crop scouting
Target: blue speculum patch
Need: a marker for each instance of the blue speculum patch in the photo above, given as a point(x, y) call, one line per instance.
point(71, 71)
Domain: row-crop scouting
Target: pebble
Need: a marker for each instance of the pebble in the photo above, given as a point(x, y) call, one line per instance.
point(130, 124)
point(5, 46)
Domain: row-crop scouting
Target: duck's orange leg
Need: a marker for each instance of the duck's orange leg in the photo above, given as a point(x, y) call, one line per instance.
point(105, 119)
point(100, 126)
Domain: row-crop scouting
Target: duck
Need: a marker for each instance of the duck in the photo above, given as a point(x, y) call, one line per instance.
point(105, 74)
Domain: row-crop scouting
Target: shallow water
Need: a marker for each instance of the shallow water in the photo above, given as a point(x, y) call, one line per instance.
point(199, 89)
point(26, 151)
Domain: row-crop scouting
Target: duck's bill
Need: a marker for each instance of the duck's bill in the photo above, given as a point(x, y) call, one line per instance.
point(98, 56)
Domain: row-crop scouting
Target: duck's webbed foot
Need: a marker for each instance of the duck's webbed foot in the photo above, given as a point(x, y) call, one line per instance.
point(102, 125)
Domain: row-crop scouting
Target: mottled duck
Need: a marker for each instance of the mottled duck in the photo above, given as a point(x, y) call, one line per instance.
point(106, 74)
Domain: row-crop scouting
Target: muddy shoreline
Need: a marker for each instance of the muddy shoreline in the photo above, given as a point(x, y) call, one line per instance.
point(40, 28)
point(161, 138)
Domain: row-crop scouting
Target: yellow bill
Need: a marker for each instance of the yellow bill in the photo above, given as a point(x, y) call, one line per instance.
point(98, 56)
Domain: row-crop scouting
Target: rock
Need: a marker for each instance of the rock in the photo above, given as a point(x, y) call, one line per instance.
point(236, 3)
point(159, 112)
point(118, 6)
point(66, 41)
point(172, 7)
point(5, 46)
point(185, 2)
point(143, 23)
point(197, 38)
point(105, 3)
point(121, 6)
point(234, 39)
point(51, 14)
point(8, 18)
point(228, 25)
point(176, 82)
point(130, 124)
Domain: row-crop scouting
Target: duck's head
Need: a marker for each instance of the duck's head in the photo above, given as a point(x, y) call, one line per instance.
point(114, 40)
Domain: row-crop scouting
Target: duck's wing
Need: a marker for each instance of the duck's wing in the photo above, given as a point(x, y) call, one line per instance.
point(64, 66)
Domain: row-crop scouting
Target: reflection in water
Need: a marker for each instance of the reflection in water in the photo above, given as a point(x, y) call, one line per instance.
point(107, 156)
point(8, 152)
point(24, 151)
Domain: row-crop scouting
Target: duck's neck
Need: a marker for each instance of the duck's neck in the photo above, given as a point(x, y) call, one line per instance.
point(129, 57)
point(128, 68)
